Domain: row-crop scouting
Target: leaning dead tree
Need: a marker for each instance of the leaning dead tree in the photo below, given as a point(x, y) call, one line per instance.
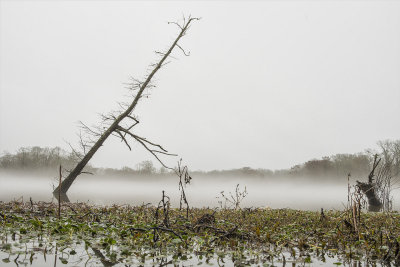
point(120, 124)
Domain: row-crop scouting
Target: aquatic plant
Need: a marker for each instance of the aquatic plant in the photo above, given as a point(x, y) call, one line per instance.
point(159, 235)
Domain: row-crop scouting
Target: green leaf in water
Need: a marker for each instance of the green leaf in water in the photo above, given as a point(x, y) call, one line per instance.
point(307, 259)
point(7, 246)
point(63, 261)
point(176, 241)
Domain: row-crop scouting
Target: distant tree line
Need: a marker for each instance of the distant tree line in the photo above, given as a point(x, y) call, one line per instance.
point(144, 168)
point(31, 158)
point(357, 165)
point(49, 159)
point(339, 166)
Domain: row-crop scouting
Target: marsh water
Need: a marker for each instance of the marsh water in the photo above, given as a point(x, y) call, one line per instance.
point(203, 191)
point(54, 256)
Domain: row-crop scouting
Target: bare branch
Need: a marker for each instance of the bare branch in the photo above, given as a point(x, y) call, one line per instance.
point(133, 118)
point(159, 53)
point(136, 122)
point(123, 105)
point(154, 155)
point(74, 152)
point(166, 63)
point(88, 129)
point(183, 50)
point(123, 139)
point(143, 142)
point(151, 143)
point(165, 153)
point(82, 143)
point(175, 23)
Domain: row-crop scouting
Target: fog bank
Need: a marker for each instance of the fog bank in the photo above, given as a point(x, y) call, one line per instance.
point(303, 194)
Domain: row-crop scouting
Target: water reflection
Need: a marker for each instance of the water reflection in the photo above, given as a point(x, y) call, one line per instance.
point(79, 256)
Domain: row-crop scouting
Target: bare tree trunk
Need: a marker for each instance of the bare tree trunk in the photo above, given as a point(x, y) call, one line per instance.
point(369, 189)
point(115, 126)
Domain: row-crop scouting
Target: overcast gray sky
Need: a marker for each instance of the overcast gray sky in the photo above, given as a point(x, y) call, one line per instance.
point(267, 85)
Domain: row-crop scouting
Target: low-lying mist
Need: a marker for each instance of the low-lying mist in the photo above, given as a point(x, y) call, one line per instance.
point(203, 191)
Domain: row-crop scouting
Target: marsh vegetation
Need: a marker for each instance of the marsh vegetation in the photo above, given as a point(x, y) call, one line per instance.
point(32, 233)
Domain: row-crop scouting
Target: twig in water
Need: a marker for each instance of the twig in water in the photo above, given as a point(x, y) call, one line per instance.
point(59, 195)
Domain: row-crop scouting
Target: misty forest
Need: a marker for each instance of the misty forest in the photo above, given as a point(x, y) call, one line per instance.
point(89, 203)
